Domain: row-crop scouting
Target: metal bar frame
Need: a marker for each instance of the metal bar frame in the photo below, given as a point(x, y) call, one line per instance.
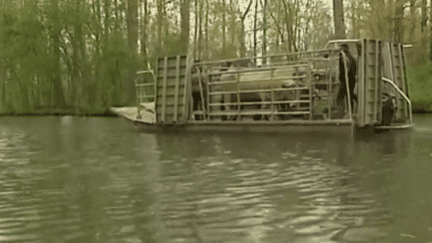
point(377, 74)
point(311, 88)
point(187, 92)
point(403, 95)
point(238, 94)
point(402, 69)
point(347, 85)
point(264, 102)
point(279, 79)
point(260, 112)
point(139, 87)
point(176, 91)
point(237, 91)
point(268, 56)
point(208, 94)
point(203, 106)
point(258, 90)
point(164, 88)
point(156, 91)
point(402, 48)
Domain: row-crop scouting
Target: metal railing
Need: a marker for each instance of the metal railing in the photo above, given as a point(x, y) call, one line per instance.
point(403, 95)
point(145, 86)
point(223, 101)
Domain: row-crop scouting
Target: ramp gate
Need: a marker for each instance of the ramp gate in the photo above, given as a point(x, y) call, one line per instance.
point(172, 89)
point(369, 83)
point(399, 78)
point(380, 60)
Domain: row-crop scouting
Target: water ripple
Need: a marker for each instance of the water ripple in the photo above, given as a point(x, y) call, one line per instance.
point(86, 181)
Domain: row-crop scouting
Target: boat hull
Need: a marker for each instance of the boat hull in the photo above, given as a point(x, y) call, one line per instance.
point(289, 126)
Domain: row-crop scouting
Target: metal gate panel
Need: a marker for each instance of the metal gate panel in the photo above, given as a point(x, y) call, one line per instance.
point(360, 85)
point(370, 83)
point(399, 79)
point(172, 89)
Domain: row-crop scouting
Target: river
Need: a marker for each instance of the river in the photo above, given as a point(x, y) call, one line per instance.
point(74, 179)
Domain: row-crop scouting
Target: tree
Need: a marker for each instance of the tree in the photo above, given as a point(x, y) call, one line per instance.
point(132, 28)
point(264, 29)
point(398, 36)
point(338, 16)
point(184, 25)
point(55, 68)
point(242, 33)
point(255, 29)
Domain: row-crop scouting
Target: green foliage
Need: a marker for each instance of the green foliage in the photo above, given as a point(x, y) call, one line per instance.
point(78, 51)
point(420, 78)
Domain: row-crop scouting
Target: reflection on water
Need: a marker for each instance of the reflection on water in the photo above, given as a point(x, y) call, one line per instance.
point(98, 180)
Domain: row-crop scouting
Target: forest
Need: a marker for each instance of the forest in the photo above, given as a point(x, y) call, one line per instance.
point(80, 57)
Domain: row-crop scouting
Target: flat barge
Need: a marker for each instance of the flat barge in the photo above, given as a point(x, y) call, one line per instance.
point(349, 85)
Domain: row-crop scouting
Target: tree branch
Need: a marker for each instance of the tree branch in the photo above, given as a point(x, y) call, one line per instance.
point(242, 17)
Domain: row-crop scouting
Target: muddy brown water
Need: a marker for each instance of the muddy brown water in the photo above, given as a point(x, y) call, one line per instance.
point(71, 179)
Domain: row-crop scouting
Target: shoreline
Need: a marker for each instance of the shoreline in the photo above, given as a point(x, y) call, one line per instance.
point(108, 113)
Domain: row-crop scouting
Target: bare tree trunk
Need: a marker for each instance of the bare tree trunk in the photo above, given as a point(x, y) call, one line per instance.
point(77, 60)
point(353, 18)
point(279, 35)
point(356, 31)
point(159, 26)
point(242, 34)
point(288, 25)
point(398, 22)
point(197, 23)
point(203, 39)
point(412, 20)
point(107, 21)
point(430, 36)
point(144, 29)
point(255, 31)
point(132, 26)
point(338, 16)
point(184, 25)
point(296, 34)
point(264, 38)
point(132, 29)
point(58, 99)
point(206, 29)
point(424, 17)
point(223, 25)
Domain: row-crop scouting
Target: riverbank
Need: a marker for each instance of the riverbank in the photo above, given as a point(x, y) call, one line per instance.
point(420, 85)
point(61, 112)
point(419, 78)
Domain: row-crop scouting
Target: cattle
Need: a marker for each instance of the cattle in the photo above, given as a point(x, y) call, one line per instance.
point(248, 101)
point(200, 76)
point(246, 79)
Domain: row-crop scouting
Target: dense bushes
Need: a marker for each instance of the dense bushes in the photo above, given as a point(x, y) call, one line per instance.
point(420, 83)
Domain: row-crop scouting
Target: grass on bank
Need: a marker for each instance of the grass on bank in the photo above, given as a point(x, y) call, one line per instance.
point(60, 112)
point(420, 85)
